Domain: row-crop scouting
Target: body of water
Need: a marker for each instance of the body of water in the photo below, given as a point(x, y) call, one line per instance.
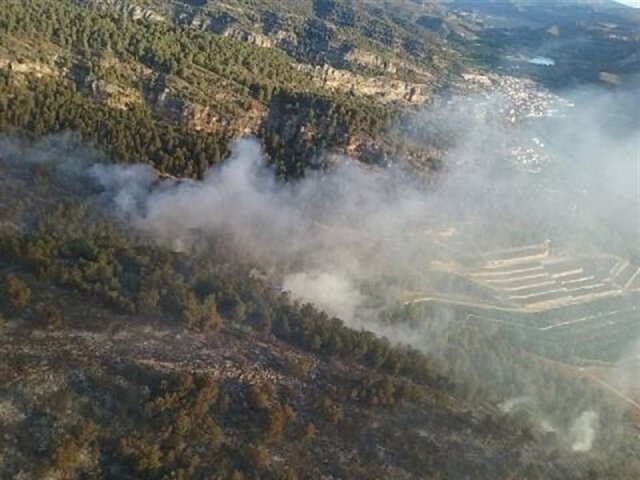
point(544, 61)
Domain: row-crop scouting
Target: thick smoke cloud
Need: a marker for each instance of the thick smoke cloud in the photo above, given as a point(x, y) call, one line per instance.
point(327, 234)
point(333, 233)
point(336, 236)
point(357, 240)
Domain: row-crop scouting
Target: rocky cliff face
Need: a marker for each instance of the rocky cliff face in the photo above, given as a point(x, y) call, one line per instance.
point(317, 44)
point(134, 12)
point(383, 89)
point(37, 69)
point(307, 118)
point(366, 59)
point(208, 119)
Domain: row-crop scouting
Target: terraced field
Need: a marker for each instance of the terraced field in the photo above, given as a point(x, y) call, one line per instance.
point(555, 304)
point(534, 279)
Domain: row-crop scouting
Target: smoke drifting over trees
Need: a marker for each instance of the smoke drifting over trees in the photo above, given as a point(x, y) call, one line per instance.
point(355, 240)
point(333, 232)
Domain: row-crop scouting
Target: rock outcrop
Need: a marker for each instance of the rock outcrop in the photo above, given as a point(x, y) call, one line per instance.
point(382, 88)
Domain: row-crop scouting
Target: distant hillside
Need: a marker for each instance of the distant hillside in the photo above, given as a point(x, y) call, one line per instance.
point(307, 77)
point(289, 75)
point(589, 42)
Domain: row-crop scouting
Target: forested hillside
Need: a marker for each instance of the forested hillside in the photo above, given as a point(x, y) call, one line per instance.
point(130, 351)
point(168, 95)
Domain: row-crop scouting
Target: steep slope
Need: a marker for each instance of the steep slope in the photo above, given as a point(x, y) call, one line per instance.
point(175, 65)
point(125, 360)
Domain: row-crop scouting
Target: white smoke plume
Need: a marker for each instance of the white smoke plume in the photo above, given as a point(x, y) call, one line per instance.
point(333, 233)
point(583, 431)
point(508, 405)
point(330, 292)
point(625, 375)
point(327, 234)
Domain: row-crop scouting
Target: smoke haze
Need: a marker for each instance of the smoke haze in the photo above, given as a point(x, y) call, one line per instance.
point(334, 232)
point(583, 431)
point(357, 240)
